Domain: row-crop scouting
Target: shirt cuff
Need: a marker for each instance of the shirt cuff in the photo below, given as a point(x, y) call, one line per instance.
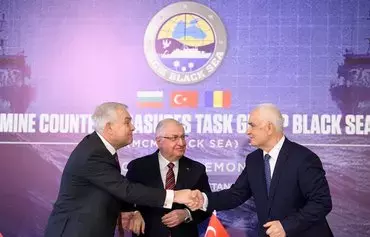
point(170, 195)
point(205, 203)
point(189, 214)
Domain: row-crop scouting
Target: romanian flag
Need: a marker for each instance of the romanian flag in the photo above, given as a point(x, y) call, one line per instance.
point(215, 228)
point(218, 99)
point(149, 99)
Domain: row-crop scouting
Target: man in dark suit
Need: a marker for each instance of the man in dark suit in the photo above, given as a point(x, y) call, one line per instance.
point(286, 180)
point(92, 188)
point(168, 168)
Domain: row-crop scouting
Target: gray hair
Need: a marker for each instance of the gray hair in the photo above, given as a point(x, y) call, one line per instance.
point(271, 113)
point(105, 113)
point(160, 126)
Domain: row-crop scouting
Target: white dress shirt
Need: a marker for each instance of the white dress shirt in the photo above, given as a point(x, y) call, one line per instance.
point(109, 147)
point(274, 153)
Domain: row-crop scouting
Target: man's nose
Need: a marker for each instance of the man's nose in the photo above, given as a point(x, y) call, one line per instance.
point(181, 141)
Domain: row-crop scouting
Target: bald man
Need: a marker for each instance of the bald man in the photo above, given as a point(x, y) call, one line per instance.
point(287, 181)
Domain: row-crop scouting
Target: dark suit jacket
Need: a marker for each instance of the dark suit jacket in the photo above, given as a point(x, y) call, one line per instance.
point(191, 175)
point(299, 192)
point(91, 193)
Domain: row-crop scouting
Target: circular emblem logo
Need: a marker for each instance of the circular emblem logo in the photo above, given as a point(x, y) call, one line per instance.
point(185, 42)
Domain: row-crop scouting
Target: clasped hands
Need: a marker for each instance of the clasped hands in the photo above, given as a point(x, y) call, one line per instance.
point(193, 199)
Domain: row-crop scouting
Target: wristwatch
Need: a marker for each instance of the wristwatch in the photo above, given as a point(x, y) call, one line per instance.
point(187, 219)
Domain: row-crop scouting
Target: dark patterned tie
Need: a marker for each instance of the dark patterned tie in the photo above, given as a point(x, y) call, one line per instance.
point(115, 156)
point(266, 159)
point(170, 182)
point(170, 177)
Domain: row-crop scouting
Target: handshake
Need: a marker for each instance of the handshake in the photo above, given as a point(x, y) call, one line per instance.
point(193, 199)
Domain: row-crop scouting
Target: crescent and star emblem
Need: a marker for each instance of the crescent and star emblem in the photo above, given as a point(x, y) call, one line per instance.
point(211, 229)
point(179, 99)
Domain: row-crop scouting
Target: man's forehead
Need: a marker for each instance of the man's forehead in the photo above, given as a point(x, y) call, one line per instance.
point(174, 128)
point(252, 116)
point(124, 113)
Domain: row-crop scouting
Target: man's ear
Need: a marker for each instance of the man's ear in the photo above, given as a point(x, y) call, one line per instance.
point(108, 128)
point(270, 127)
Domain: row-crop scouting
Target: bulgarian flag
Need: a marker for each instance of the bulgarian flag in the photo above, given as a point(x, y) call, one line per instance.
point(215, 228)
point(149, 99)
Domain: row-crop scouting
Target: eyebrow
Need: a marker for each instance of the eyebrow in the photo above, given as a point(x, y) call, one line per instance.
point(128, 118)
point(174, 135)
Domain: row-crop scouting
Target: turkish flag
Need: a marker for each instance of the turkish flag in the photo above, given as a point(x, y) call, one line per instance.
point(215, 228)
point(184, 99)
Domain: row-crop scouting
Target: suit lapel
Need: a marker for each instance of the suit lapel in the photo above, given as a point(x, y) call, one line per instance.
point(279, 167)
point(112, 158)
point(156, 172)
point(182, 176)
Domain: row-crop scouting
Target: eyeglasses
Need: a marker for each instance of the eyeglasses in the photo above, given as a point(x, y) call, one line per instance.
point(176, 138)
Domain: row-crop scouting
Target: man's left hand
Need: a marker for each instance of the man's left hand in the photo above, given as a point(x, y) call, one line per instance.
point(174, 217)
point(274, 229)
point(132, 221)
point(124, 219)
point(137, 223)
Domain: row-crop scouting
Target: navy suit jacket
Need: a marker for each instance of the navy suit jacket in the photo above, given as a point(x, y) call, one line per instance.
point(299, 192)
point(91, 193)
point(191, 175)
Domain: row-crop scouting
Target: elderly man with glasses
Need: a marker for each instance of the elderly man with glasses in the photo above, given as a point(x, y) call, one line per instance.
point(168, 168)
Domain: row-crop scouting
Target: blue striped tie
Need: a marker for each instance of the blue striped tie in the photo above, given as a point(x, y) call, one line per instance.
point(266, 159)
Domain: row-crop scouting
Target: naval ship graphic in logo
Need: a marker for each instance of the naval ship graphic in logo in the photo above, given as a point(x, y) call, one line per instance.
point(185, 42)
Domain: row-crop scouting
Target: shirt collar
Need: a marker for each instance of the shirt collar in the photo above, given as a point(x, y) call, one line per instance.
point(109, 147)
point(274, 153)
point(163, 162)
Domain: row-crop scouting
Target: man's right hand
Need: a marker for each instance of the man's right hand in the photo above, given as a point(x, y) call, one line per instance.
point(200, 200)
point(191, 198)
